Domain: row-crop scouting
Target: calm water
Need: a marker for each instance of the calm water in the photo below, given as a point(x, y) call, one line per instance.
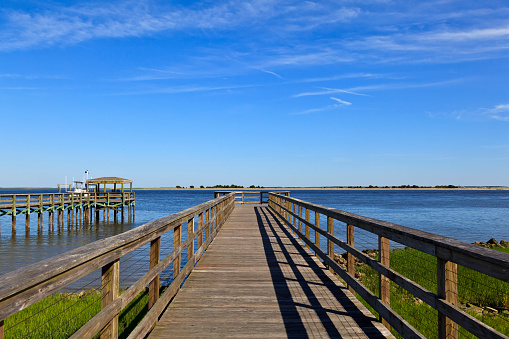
point(466, 215)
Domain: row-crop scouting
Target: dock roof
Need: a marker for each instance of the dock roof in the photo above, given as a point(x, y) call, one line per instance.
point(109, 180)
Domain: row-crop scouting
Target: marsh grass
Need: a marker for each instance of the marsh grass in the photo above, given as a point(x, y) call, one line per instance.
point(474, 288)
point(61, 314)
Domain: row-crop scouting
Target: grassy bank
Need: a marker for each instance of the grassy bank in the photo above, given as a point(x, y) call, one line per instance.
point(482, 296)
point(62, 314)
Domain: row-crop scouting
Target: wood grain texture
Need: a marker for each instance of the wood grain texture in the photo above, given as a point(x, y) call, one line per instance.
point(256, 280)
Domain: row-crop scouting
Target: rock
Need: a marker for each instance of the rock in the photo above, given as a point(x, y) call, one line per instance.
point(492, 242)
point(418, 301)
point(475, 309)
point(505, 312)
point(476, 243)
point(482, 244)
point(504, 243)
point(372, 253)
point(490, 310)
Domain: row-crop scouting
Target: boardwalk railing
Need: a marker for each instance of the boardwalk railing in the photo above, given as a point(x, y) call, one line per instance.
point(26, 286)
point(250, 197)
point(448, 253)
point(58, 203)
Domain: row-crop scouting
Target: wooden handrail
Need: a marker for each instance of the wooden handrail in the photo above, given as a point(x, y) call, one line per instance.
point(447, 250)
point(23, 287)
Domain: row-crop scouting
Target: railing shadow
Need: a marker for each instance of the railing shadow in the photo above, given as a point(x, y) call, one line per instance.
point(272, 233)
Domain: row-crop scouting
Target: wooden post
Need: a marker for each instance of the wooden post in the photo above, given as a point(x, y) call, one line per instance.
point(109, 292)
point(242, 194)
point(300, 222)
point(261, 198)
point(330, 244)
point(14, 213)
point(317, 235)
point(384, 283)
point(447, 286)
point(27, 219)
point(200, 224)
point(39, 215)
point(308, 235)
point(155, 255)
point(350, 264)
point(1, 329)
point(177, 238)
point(294, 218)
point(190, 233)
point(207, 219)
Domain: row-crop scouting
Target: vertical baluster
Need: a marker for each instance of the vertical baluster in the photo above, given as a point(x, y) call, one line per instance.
point(330, 244)
point(190, 235)
point(177, 239)
point(308, 232)
point(447, 285)
point(155, 255)
point(317, 234)
point(301, 229)
point(350, 236)
point(200, 235)
point(384, 282)
point(110, 292)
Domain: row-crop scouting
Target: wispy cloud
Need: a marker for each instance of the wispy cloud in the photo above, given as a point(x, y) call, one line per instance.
point(273, 73)
point(326, 91)
point(499, 112)
point(341, 101)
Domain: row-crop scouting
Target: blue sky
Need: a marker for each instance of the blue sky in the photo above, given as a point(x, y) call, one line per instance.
point(272, 93)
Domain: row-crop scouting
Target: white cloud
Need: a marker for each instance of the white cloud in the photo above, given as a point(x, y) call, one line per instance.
point(341, 101)
point(327, 91)
point(499, 112)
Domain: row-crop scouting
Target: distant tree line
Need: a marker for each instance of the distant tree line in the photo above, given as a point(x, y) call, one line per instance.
point(222, 186)
point(406, 186)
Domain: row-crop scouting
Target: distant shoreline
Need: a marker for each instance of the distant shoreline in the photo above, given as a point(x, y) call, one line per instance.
point(327, 189)
point(299, 189)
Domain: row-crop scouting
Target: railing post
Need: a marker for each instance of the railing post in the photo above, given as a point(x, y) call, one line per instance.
point(207, 219)
point(177, 238)
point(317, 234)
point(447, 286)
point(350, 231)
point(190, 233)
point(294, 207)
point(200, 224)
point(109, 292)
point(300, 222)
point(330, 244)
point(242, 195)
point(1, 329)
point(384, 283)
point(155, 255)
point(261, 200)
point(308, 232)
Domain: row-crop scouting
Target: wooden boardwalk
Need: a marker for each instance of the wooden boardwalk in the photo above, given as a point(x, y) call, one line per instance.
point(256, 280)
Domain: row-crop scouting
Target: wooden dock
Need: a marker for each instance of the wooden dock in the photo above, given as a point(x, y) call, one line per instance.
point(256, 280)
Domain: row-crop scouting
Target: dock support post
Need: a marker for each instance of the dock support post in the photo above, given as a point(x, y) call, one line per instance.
point(27, 219)
point(14, 214)
point(109, 292)
point(384, 283)
point(447, 286)
point(350, 232)
point(155, 255)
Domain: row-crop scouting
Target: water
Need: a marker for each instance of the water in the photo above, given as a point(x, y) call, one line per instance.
point(465, 215)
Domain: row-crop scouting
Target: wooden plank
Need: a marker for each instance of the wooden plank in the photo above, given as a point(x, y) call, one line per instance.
point(447, 286)
point(384, 283)
point(155, 255)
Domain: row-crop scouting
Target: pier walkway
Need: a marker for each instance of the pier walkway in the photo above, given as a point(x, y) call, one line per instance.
point(257, 280)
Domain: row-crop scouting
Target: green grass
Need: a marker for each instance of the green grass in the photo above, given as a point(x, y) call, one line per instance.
point(62, 314)
point(473, 287)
